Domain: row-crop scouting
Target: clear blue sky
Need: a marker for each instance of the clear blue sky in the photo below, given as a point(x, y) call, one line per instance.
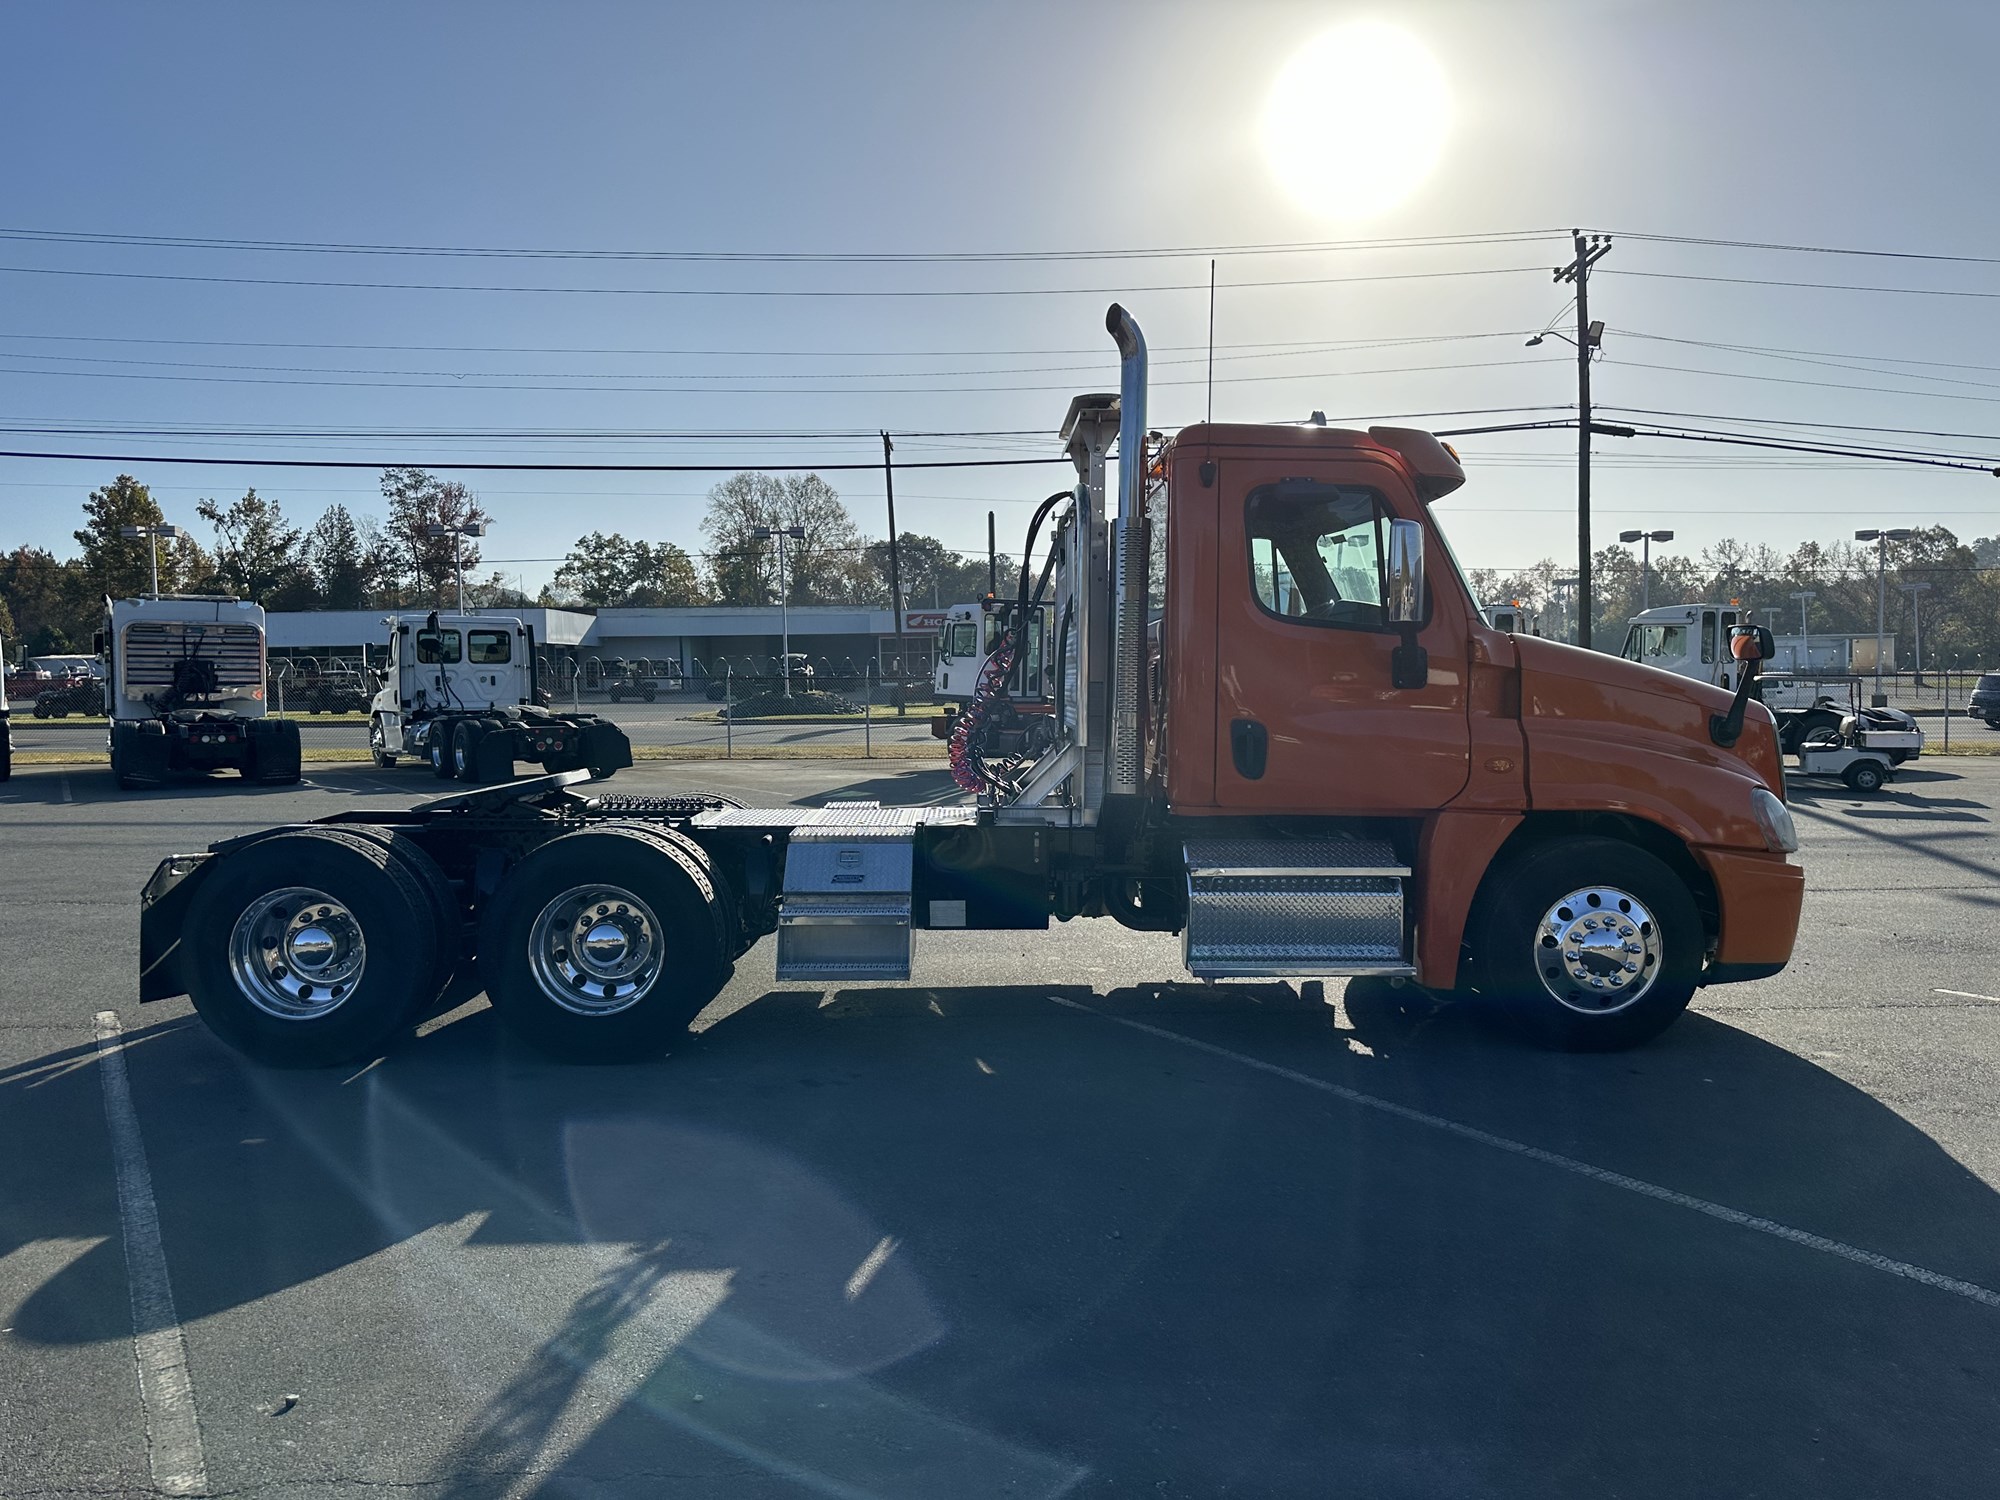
point(973, 127)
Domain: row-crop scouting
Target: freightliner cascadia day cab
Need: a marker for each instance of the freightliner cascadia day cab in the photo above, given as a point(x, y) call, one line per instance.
point(459, 694)
point(1285, 734)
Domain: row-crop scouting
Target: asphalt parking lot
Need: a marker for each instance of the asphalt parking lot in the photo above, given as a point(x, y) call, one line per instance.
point(1044, 1223)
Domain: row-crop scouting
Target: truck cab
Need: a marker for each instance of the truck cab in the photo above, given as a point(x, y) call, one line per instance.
point(1280, 728)
point(459, 693)
point(1689, 640)
point(184, 691)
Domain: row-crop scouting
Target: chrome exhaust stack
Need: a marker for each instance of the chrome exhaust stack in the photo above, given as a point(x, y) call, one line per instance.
point(1123, 769)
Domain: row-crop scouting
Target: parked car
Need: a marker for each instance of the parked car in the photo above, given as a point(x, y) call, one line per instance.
point(1985, 700)
point(26, 683)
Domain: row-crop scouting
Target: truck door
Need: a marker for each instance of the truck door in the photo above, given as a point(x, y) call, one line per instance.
point(1307, 716)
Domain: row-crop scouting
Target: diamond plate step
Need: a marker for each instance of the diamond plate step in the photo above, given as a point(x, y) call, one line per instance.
point(1271, 908)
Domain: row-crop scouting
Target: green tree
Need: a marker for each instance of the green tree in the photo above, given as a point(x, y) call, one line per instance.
point(825, 566)
point(259, 556)
point(416, 562)
point(51, 602)
point(121, 566)
point(340, 561)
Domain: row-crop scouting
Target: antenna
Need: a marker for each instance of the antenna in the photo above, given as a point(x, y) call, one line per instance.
point(1211, 342)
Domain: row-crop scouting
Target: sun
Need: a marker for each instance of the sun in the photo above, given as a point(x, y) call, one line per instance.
point(1357, 120)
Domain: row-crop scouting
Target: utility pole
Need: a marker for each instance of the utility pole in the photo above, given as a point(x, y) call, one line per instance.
point(1590, 249)
point(895, 571)
point(992, 559)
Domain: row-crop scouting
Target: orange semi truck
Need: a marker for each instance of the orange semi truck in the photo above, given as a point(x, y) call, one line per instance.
point(1284, 732)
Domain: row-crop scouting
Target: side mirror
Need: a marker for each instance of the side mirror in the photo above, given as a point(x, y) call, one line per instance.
point(1403, 581)
point(1751, 643)
point(1403, 603)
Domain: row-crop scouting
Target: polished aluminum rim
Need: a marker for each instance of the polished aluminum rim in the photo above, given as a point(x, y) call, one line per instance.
point(1598, 950)
point(297, 953)
point(595, 950)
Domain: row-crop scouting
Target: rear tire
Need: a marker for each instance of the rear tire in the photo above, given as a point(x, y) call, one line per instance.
point(465, 737)
point(1863, 776)
point(447, 920)
point(602, 945)
point(1588, 944)
point(309, 949)
point(439, 742)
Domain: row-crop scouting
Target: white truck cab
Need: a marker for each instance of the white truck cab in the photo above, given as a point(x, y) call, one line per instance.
point(967, 638)
point(1689, 640)
point(459, 693)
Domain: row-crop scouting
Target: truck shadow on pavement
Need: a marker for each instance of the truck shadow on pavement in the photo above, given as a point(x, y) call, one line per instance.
point(976, 1241)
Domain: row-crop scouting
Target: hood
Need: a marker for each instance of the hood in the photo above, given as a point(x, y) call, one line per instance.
point(1561, 682)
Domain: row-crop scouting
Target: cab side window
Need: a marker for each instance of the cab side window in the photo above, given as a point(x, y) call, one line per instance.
point(964, 638)
point(486, 647)
point(437, 647)
point(1316, 553)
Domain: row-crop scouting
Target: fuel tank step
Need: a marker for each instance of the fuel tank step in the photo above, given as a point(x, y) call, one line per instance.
point(1307, 908)
point(845, 910)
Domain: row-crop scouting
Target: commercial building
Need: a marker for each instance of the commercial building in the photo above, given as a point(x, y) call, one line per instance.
point(699, 639)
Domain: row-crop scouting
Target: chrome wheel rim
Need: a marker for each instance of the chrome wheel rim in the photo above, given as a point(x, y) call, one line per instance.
point(596, 950)
point(297, 953)
point(1598, 950)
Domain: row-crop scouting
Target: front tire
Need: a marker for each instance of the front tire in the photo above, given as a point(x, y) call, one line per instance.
point(309, 949)
point(1589, 944)
point(602, 945)
point(378, 743)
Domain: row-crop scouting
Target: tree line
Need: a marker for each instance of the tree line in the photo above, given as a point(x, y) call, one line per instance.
point(1958, 610)
point(348, 560)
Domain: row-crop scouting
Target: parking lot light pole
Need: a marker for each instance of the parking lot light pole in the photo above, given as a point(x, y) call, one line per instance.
point(797, 534)
point(154, 531)
point(1915, 591)
point(1802, 658)
point(1881, 539)
point(1645, 540)
point(458, 534)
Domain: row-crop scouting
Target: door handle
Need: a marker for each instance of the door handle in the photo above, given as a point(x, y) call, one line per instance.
point(1249, 746)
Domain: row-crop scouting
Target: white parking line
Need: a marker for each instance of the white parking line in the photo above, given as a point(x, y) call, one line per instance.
point(1968, 995)
point(166, 1389)
point(1969, 1290)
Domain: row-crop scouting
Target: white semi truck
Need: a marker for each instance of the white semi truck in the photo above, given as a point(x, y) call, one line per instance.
point(460, 693)
point(1022, 715)
point(1692, 640)
point(184, 691)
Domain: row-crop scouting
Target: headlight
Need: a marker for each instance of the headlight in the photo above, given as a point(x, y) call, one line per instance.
point(1780, 832)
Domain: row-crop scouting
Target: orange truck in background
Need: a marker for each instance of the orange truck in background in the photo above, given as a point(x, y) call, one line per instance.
point(1282, 730)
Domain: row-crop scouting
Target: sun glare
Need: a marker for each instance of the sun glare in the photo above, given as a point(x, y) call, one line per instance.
point(1356, 120)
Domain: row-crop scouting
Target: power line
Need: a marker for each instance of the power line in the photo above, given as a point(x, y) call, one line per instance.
point(540, 468)
point(840, 292)
point(794, 257)
point(749, 390)
point(1821, 286)
point(1690, 239)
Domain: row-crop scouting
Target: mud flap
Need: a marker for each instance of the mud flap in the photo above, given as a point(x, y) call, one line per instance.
point(163, 908)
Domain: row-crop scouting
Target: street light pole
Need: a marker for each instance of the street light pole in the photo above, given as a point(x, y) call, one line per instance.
point(798, 533)
point(1646, 540)
point(1802, 658)
point(458, 534)
point(1915, 591)
point(1881, 539)
point(153, 531)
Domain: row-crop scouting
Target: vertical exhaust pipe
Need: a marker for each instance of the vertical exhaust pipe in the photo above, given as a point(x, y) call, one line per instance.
point(1123, 772)
point(1131, 411)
